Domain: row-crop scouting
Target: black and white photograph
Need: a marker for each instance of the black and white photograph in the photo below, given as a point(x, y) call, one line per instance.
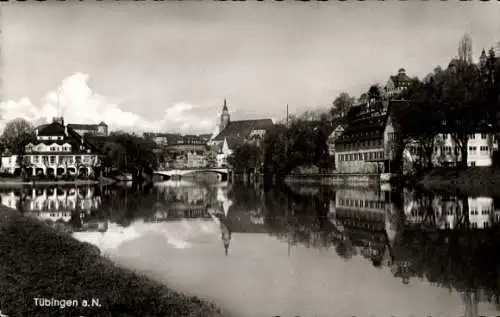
point(249, 158)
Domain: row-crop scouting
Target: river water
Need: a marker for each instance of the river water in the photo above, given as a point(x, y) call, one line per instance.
point(291, 251)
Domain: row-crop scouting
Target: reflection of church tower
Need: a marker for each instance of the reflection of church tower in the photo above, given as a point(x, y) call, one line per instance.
point(225, 236)
point(471, 301)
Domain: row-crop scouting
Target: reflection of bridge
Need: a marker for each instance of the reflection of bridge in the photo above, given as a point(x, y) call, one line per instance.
point(221, 172)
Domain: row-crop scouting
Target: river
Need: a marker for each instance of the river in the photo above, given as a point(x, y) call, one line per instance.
point(291, 251)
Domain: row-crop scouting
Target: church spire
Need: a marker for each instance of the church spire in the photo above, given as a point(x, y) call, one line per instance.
point(224, 118)
point(224, 108)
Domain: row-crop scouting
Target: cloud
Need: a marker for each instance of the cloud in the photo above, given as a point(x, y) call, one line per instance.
point(178, 234)
point(76, 101)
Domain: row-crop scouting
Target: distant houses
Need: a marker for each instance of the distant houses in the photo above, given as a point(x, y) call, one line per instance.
point(100, 129)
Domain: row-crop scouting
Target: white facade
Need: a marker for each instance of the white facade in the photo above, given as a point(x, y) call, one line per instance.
point(224, 154)
point(480, 147)
point(332, 138)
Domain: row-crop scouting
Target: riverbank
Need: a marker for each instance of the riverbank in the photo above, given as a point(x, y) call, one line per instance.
point(17, 182)
point(338, 179)
point(483, 181)
point(37, 261)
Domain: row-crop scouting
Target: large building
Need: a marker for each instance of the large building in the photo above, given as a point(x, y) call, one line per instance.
point(231, 134)
point(58, 150)
point(100, 129)
point(365, 146)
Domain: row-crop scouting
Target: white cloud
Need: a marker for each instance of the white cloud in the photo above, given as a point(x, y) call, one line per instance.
point(76, 101)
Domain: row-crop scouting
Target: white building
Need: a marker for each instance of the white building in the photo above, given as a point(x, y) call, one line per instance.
point(58, 150)
point(480, 149)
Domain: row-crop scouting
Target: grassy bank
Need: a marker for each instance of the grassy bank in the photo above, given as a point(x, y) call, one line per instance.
point(483, 181)
point(39, 262)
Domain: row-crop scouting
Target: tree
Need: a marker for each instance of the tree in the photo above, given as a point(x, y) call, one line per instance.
point(341, 105)
point(465, 49)
point(17, 134)
point(246, 157)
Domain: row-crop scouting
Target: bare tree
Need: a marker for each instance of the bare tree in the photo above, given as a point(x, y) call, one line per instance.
point(465, 49)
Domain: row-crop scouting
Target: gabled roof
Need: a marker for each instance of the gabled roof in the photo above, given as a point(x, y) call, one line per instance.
point(78, 126)
point(73, 138)
point(369, 124)
point(51, 129)
point(234, 142)
point(242, 129)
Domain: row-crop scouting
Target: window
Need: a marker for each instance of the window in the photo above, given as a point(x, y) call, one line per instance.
point(483, 136)
point(472, 136)
point(36, 158)
point(52, 159)
point(78, 159)
point(473, 163)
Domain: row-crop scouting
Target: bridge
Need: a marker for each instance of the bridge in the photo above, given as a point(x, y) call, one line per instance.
point(223, 173)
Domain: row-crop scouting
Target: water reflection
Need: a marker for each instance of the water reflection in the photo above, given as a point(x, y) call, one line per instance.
point(288, 250)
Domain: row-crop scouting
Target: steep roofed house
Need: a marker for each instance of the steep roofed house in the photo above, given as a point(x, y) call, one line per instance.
point(100, 129)
point(231, 134)
point(365, 146)
point(60, 150)
point(334, 132)
point(398, 83)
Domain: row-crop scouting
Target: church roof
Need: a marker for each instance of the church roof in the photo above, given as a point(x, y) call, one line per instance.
point(242, 129)
point(234, 142)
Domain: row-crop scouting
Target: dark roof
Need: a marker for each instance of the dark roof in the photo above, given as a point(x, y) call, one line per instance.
point(83, 126)
point(73, 138)
point(234, 142)
point(243, 128)
point(369, 124)
point(51, 129)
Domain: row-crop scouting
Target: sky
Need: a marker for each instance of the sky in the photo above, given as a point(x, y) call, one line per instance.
point(167, 66)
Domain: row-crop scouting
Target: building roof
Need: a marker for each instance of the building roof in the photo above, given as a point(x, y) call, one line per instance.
point(242, 129)
point(57, 129)
point(234, 142)
point(51, 129)
point(365, 123)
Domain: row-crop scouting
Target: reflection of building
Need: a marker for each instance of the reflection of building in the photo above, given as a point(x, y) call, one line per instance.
point(363, 217)
point(55, 204)
point(449, 212)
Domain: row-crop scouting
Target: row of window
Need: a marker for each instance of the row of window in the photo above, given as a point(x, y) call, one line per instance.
point(40, 148)
point(361, 203)
point(448, 149)
point(365, 156)
point(52, 159)
point(483, 136)
point(367, 143)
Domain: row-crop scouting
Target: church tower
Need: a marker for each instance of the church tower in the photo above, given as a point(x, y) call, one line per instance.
point(224, 118)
